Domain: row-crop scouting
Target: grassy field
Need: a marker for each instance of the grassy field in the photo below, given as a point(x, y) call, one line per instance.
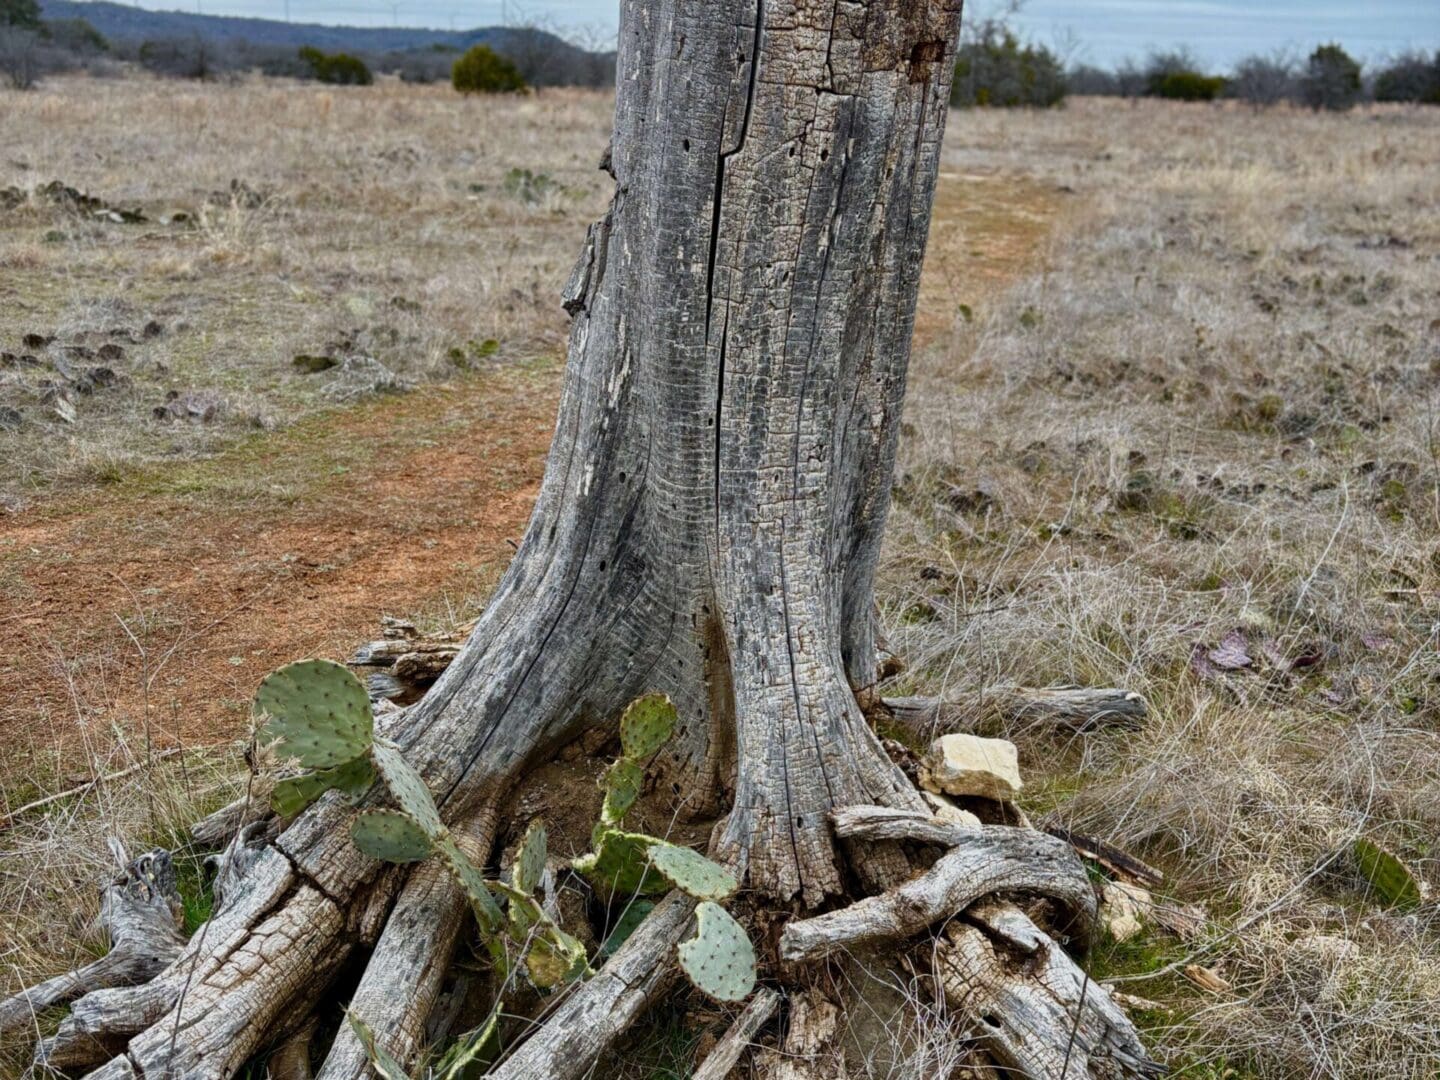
point(1173, 427)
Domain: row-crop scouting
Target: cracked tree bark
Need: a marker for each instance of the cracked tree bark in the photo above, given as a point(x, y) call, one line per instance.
point(709, 525)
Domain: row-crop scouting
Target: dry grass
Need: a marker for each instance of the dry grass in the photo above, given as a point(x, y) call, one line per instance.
point(1216, 410)
point(378, 223)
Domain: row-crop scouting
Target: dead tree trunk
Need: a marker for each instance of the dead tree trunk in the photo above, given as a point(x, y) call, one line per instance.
point(709, 523)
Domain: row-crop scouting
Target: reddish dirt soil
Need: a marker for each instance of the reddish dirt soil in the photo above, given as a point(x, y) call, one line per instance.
point(126, 604)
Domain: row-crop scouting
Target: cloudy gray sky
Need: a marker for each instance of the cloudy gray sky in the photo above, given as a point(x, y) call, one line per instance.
point(1098, 31)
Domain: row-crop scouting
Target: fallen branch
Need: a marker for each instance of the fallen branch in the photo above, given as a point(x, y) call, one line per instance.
point(989, 859)
point(727, 1051)
point(1077, 708)
point(140, 913)
point(80, 789)
point(595, 1013)
point(1122, 864)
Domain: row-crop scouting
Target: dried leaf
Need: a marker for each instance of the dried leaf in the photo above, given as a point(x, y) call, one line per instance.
point(1231, 654)
point(1207, 979)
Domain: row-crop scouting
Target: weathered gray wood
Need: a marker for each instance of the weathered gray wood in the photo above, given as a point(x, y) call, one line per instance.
point(886, 823)
point(141, 916)
point(1023, 994)
point(1077, 708)
point(403, 980)
point(596, 1012)
point(736, 1040)
point(990, 859)
point(218, 828)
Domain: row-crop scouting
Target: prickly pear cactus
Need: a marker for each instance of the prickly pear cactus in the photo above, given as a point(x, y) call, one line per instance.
point(316, 712)
point(623, 781)
point(530, 859)
point(719, 959)
point(391, 836)
point(294, 793)
point(407, 786)
point(487, 912)
point(554, 959)
point(646, 725)
point(628, 922)
point(619, 865)
point(1390, 878)
point(692, 873)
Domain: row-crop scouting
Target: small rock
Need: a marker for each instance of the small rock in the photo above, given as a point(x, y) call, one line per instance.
point(948, 812)
point(970, 765)
point(110, 351)
point(1121, 906)
point(152, 329)
point(36, 341)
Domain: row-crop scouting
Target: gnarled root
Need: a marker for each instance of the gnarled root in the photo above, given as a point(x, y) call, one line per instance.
point(984, 860)
point(140, 913)
point(1024, 995)
point(1027, 1003)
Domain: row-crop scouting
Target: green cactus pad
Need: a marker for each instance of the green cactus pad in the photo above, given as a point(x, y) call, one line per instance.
point(619, 865)
point(318, 713)
point(390, 836)
point(487, 912)
point(469, 1047)
point(622, 784)
point(385, 1065)
point(1387, 876)
point(530, 859)
point(692, 873)
point(554, 959)
point(407, 786)
point(295, 793)
point(719, 959)
point(628, 922)
point(646, 725)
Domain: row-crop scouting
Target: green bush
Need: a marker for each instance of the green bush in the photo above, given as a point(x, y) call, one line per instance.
point(1413, 77)
point(1331, 80)
point(24, 14)
point(1186, 86)
point(484, 71)
point(994, 69)
point(339, 68)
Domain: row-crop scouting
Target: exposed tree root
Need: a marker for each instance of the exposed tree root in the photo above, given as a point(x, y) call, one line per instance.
point(594, 1014)
point(736, 1040)
point(984, 860)
point(403, 979)
point(1025, 994)
point(140, 914)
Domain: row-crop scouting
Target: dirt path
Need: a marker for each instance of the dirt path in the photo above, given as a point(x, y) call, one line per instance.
point(162, 601)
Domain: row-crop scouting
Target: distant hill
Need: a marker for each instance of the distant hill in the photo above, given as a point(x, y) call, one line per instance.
point(122, 23)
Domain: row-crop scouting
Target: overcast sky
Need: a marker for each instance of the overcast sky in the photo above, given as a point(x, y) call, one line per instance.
point(1095, 31)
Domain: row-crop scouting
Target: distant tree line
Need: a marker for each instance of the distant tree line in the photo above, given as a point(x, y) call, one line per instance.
point(1329, 78)
point(995, 68)
point(32, 47)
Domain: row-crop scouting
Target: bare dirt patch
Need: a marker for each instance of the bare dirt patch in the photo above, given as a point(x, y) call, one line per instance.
point(177, 593)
